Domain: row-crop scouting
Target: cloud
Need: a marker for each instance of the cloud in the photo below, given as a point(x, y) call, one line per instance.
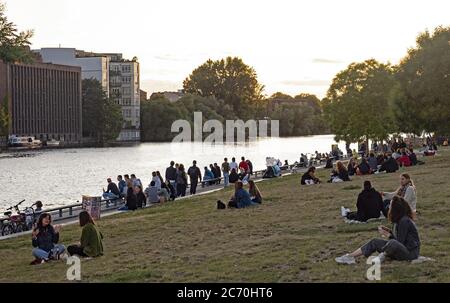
point(326, 61)
point(306, 82)
point(154, 85)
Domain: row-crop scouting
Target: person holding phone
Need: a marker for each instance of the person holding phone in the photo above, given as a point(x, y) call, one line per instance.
point(45, 239)
point(401, 243)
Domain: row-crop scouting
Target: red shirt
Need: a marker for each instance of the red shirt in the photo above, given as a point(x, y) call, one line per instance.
point(244, 166)
point(404, 161)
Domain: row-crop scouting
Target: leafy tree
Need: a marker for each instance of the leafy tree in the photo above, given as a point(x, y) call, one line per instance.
point(14, 45)
point(102, 117)
point(421, 102)
point(357, 102)
point(4, 118)
point(229, 79)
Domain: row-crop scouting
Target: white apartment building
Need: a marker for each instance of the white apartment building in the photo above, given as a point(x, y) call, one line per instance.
point(119, 78)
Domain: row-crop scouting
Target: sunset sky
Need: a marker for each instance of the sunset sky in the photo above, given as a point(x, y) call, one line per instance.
point(294, 46)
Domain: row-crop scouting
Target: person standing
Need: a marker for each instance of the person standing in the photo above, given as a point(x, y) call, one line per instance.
point(156, 179)
point(226, 172)
point(250, 166)
point(171, 174)
point(243, 165)
point(181, 181)
point(218, 173)
point(233, 164)
point(194, 175)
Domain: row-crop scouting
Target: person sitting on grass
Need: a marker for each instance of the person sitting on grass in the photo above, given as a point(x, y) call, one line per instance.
point(141, 200)
point(389, 165)
point(241, 197)
point(404, 160)
point(363, 168)
point(163, 193)
point(151, 192)
point(45, 240)
point(369, 205)
point(407, 191)
point(91, 238)
point(234, 177)
point(403, 242)
point(351, 167)
point(340, 174)
point(255, 194)
point(309, 177)
point(373, 162)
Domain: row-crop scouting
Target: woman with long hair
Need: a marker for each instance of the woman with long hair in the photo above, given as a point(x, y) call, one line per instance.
point(254, 192)
point(181, 181)
point(407, 191)
point(340, 173)
point(309, 177)
point(45, 238)
point(91, 238)
point(403, 242)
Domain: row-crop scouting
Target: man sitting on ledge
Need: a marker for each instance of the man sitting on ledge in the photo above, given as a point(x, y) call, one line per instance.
point(112, 192)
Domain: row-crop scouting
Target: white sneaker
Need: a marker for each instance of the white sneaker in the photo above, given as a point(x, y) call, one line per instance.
point(344, 211)
point(346, 259)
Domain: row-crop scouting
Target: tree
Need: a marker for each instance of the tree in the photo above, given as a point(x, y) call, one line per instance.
point(422, 100)
point(357, 102)
point(14, 45)
point(102, 118)
point(4, 118)
point(229, 79)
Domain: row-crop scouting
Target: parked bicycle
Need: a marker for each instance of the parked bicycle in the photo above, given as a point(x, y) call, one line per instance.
point(22, 221)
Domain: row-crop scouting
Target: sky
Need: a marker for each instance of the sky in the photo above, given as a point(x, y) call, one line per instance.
point(294, 46)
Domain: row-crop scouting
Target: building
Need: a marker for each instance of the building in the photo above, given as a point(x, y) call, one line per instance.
point(120, 79)
point(44, 101)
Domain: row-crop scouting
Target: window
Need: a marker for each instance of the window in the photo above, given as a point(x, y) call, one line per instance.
point(126, 69)
point(138, 113)
point(127, 91)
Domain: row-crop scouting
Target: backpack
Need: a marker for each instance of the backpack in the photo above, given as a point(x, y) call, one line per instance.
point(221, 205)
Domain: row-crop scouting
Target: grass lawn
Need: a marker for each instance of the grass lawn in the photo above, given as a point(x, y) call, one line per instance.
point(293, 237)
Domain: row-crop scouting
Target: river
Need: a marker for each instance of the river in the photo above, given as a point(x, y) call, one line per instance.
point(61, 176)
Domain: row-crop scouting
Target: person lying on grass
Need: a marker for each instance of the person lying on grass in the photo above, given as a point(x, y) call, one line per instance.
point(369, 205)
point(403, 242)
point(91, 239)
point(45, 239)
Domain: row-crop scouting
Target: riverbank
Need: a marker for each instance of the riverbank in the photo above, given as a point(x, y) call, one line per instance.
point(293, 237)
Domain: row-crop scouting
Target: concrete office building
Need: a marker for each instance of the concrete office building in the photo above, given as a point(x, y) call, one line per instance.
point(119, 77)
point(44, 101)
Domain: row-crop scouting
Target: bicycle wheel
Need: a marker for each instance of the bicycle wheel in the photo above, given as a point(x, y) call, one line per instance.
point(20, 228)
point(7, 230)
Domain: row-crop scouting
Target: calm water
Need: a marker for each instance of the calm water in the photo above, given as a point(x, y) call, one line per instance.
point(61, 177)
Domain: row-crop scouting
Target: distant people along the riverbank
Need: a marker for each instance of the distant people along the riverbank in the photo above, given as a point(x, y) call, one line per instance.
point(255, 194)
point(112, 191)
point(241, 197)
point(195, 176)
point(91, 244)
point(309, 177)
point(181, 181)
point(226, 172)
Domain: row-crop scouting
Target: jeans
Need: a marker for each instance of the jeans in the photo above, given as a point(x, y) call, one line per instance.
point(108, 196)
point(44, 255)
point(226, 179)
point(193, 188)
point(392, 249)
point(174, 184)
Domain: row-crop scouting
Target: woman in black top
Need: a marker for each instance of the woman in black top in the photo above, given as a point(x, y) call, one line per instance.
point(234, 177)
point(131, 197)
point(403, 242)
point(309, 178)
point(363, 168)
point(45, 240)
point(340, 173)
point(141, 200)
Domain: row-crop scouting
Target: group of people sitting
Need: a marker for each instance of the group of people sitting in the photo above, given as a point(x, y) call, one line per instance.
point(402, 242)
point(242, 198)
point(45, 240)
point(176, 182)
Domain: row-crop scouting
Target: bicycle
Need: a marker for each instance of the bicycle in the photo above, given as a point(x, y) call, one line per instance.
point(21, 222)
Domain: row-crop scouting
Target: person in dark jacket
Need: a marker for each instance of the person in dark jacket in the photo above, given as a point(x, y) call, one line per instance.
point(218, 173)
point(234, 176)
point(340, 174)
point(390, 165)
point(195, 175)
point(141, 200)
point(369, 205)
point(351, 168)
point(309, 178)
point(181, 181)
point(363, 168)
point(403, 242)
point(45, 240)
point(112, 192)
point(131, 197)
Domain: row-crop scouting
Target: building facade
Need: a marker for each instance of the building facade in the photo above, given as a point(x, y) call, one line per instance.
point(120, 80)
point(44, 101)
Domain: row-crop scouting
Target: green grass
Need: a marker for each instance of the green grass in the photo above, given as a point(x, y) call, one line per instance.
point(293, 237)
